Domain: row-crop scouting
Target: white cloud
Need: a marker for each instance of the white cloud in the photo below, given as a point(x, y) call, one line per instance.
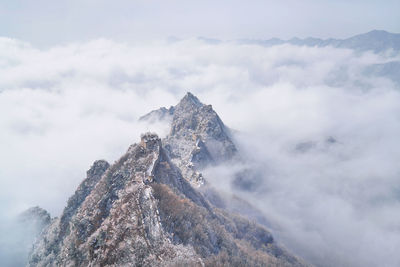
point(65, 107)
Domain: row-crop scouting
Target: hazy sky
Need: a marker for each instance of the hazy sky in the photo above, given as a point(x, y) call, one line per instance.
point(47, 22)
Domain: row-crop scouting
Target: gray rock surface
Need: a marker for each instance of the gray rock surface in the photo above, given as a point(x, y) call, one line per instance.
point(197, 138)
point(144, 210)
point(93, 175)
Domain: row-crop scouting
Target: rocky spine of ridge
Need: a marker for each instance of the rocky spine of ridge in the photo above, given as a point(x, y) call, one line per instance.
point(117, 223)
point(144, 211)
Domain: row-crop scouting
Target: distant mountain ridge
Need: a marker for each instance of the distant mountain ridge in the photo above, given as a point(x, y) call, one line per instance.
point(375, 40)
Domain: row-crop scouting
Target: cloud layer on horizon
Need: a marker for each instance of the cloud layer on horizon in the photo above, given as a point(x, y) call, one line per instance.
point(66, 106)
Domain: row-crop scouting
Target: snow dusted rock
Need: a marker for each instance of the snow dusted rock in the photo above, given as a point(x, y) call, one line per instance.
point(143, 210)
point(117, 223)
point(197, 138)
point(93, 176)
point(193, 121)
point(200, 156)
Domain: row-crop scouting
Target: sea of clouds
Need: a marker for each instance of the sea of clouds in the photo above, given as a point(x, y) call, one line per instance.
point(336, 202)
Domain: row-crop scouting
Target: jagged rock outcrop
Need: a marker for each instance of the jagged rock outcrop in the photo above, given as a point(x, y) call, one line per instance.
point(197, 138)
point(144, 211)
point(193, 121)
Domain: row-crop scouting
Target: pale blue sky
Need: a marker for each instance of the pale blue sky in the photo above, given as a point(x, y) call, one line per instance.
point(48, 22)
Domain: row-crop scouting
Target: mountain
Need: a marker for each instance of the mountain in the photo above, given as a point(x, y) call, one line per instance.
point(197, 138)
point(390, 70)
point(376, 41)
point(159, 114)
point(153, 207)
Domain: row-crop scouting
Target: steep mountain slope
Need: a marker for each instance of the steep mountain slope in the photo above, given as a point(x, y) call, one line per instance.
point(197, 138)
point(145, 210)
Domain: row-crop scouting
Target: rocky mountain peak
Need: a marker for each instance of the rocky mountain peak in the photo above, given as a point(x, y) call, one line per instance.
point(191, 117)
point(197, 138)
point(189, 102)
point(143, 210)
point(193, 122)
point(190, 113)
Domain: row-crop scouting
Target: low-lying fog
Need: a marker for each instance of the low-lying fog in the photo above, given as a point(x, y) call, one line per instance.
point(319, 127)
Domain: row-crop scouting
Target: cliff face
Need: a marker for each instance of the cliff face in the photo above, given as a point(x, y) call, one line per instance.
point(197, 139)
point(145, 210)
